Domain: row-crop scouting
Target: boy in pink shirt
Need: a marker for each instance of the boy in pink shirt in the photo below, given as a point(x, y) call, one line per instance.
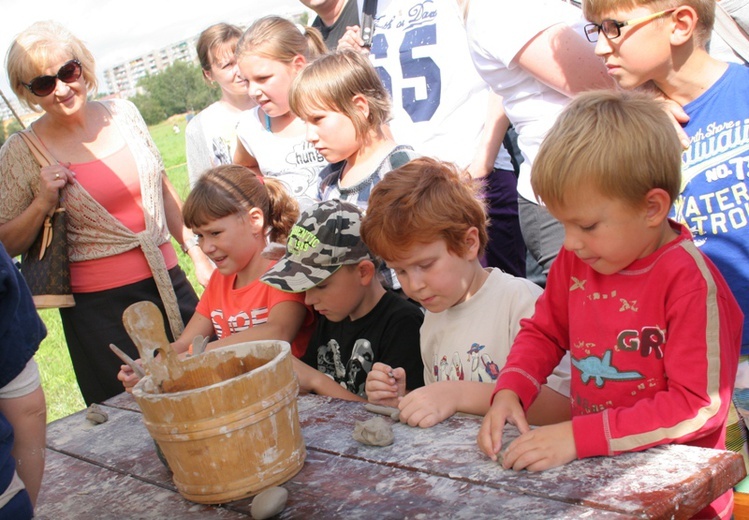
point(653, 330)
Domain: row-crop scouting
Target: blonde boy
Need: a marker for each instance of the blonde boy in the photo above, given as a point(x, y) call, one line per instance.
point(652, 327)
point(665, 42)
point(429, 225)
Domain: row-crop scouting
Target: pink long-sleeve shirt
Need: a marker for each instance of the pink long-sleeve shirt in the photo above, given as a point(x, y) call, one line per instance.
point(654, 350)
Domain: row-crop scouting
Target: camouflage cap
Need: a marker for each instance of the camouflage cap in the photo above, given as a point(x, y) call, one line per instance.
point(325, 237)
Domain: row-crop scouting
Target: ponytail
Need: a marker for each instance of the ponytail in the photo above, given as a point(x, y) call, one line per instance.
point(231, 189)
point(279, 39)
point(315, 43)
point(283, 211)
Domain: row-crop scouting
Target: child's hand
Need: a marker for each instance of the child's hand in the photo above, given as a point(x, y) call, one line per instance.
point(385, 384)
point(674, 110)
point(505, 408)
point(128, 377)
point(428, 405)
point(542, 448)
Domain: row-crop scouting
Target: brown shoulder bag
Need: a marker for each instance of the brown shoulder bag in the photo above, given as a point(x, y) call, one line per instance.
point(45, 266)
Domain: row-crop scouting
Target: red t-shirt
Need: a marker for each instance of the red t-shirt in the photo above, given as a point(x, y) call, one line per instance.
point(234, 310)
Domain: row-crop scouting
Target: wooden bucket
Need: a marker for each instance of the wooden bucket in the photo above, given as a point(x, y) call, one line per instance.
point(237, 435)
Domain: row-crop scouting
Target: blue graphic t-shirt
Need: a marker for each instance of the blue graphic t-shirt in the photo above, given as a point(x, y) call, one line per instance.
point(714, 202)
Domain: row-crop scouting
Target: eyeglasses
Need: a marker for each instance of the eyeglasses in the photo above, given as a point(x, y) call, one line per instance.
point(44, 85)
point(611, 28)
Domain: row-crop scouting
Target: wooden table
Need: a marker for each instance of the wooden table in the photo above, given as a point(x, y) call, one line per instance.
point(112, 471)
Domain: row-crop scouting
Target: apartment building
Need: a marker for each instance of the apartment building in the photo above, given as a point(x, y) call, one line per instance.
point(122, 79)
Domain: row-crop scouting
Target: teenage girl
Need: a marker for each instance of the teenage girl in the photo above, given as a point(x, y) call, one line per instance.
point(211, 136)
point(232, 211)
point(347, 109)
point(271, 138)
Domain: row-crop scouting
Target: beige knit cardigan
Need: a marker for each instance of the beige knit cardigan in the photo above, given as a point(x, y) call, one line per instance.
point(92, 231)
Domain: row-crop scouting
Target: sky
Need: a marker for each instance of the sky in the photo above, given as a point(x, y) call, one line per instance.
point(116, 31)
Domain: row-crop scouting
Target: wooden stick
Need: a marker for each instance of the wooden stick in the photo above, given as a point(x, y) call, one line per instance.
point(128, 360)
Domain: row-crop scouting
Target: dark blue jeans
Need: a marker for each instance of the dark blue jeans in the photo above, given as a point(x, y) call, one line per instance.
point(506, 248)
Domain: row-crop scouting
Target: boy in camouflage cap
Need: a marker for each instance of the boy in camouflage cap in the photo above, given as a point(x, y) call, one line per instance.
point(360, 323)
point(324, 238)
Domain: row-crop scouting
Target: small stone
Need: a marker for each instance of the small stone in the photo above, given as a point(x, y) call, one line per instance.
point(269, 503)
point(96, 414)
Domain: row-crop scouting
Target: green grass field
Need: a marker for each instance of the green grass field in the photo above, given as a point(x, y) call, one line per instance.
point(58, 379)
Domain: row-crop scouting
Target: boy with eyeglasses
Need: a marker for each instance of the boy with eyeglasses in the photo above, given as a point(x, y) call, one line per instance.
point(651, 326)
point(666, 43)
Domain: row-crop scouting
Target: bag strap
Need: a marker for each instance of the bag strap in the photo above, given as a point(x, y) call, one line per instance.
point(732, 34)
point(44, 158)
point(41, 154)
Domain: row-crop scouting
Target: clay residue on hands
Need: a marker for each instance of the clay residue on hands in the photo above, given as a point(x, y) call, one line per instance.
point(374, 432)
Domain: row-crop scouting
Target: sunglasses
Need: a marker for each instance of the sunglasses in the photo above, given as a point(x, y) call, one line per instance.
point(44, 85)
point(611, 28)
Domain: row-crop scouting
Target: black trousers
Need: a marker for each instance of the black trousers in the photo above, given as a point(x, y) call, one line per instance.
point(96, 321)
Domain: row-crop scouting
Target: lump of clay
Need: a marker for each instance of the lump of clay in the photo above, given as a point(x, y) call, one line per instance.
point(96, 414)
point(374, 432)
point(269, 503)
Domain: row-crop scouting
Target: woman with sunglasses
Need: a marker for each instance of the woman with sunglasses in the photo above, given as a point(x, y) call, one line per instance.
point(121, 208)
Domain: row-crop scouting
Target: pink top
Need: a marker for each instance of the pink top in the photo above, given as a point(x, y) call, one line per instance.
point(114, 183)
point(654, 351)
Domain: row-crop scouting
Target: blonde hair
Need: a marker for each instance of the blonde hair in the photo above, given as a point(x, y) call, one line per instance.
point(423, 201)
point(620, 143)
point(593, 10)
point(279, 39)
point(332, 81)
point(37, 48)
point(231, 189)
point(212, 40)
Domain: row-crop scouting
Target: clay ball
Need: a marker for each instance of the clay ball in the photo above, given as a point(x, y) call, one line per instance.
point(374, 432)
point(96, 414)
point(269, 503)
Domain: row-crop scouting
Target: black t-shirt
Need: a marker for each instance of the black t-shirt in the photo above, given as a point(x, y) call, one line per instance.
point(389, 334)
point(349, 17)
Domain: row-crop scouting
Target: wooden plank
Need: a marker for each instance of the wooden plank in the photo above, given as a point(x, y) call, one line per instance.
point(77, 490)
point(658, 483)
point(124, 400)
point(122, 447)
point(333, 487)
point(122, 444)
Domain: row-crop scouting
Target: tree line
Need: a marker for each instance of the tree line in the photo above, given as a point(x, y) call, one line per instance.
point(13, 127)
point(177, 89)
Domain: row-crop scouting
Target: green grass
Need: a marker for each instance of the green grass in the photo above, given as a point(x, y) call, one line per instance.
point(58, 379)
